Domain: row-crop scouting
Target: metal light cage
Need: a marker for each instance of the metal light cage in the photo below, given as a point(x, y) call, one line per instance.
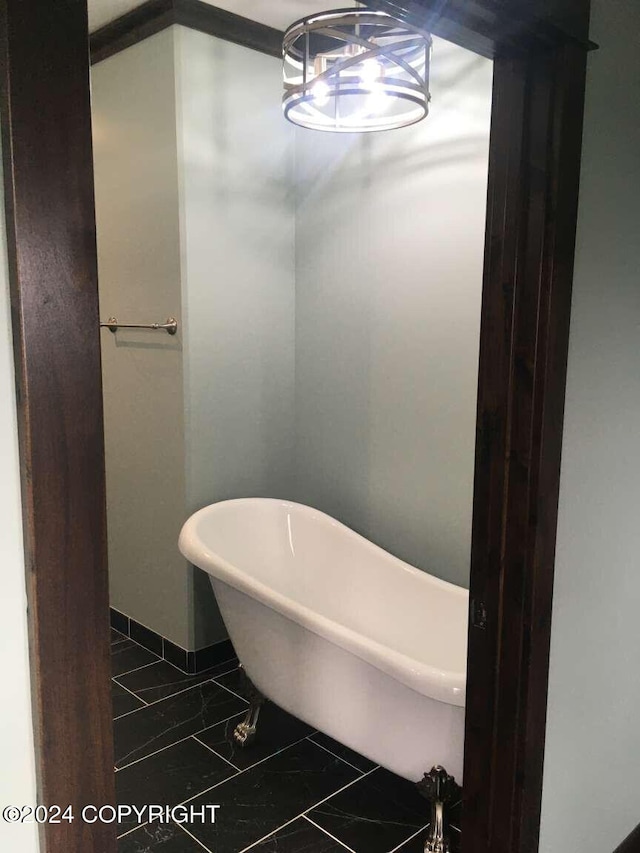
point(355, 70)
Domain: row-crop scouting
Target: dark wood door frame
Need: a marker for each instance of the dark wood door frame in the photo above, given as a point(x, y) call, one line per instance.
point(631, 844)
point(524, 342)
point(48, 175)
point(539, 51)
point(534, 172)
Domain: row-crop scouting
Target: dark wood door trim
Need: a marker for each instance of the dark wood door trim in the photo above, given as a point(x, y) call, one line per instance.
point(48, 178)
point(464, 23)
point(532, 203)
point(489, 26)
point(631, 844)
point(534, 169)
point(156, 15)
point(524, 344)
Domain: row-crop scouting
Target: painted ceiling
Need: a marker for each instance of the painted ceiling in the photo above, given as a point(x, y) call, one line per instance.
point(275, 13)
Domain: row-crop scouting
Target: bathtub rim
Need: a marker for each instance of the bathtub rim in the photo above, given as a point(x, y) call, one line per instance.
point(448, 686)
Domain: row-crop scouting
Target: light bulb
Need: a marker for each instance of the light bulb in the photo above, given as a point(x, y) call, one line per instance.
point(320, 92)
point(377, 100)
point(371, 72)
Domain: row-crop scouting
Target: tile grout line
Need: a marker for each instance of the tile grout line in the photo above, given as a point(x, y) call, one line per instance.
point(237, 663)
point(135, 695)
point(228, 688)
point(179, 693)
point(324, 831)
point(251, 766)
point(129, 831)
point(240, 772)
point(164, 698)
point(273, 832)
point(233, 660)
point(161, 657)
point(215, 666)
point(344, 787)
point(410, 838)
point(168, 696)
point(262, 760)
point(222, 663)
point(135, 669)
point(302, 814)
point(175, 743)
point(131, 639)
point(326, 749)
point(162, 639)
point(217, 754)
point(180, 826)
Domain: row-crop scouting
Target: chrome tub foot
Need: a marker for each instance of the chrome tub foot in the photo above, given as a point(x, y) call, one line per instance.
point(244, 733)
point(442, 791)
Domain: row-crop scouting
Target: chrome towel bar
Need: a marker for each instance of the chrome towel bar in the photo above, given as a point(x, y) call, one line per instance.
point(171, 325)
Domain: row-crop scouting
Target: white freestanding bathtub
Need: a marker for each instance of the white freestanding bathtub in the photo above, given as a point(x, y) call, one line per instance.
point(353, 641)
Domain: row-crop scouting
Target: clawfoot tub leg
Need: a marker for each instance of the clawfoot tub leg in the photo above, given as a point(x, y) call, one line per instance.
point(441, 790)
point(244, 733)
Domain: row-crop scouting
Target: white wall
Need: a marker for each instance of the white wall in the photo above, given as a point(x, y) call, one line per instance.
point(389, 258)
point(329, 299)
point(195, 218)
point(139, 264)
point(237, 221)
point(237, 218)
point(592, 761)
point(17, 779)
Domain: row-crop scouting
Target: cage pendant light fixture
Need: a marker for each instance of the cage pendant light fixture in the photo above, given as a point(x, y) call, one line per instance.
point(355, 70)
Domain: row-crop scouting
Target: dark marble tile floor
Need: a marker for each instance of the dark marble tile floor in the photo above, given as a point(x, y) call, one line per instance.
point(163, 723)
point(161, 679)
point(299, 836)
point(123, 701)
point(378, 814)
point(343, 752)
point(158, 838)
point(117, 637)
point(128, 655)
point(277, 731)
point(294, 790)
point(260, 800)
point(171, 776)
point(235, 681)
